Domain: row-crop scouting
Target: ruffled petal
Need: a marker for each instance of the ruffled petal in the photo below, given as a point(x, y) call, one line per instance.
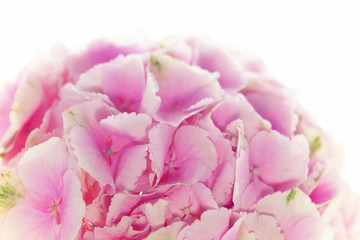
point(223, 183)
point(263, 226)
point(184, 90)
point(212, 225)
point(194, 156)
point(90, 156)
point(41, 173)
point(122, 80)
point(237, 107)
point(160, 138)
point(280, 160)
point(275, 103)
point(123, 125)
point(72, 208)
point(169, 232)
point(285, 207)
point(156, 213)
point(131, 164)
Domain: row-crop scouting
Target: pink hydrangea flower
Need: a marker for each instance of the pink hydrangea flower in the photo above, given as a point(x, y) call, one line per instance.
point(53, 205)
point(178, 139)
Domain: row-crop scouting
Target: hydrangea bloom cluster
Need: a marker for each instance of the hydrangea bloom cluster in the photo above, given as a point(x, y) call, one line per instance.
point(178, 139)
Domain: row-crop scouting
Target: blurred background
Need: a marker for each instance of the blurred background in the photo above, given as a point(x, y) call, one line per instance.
point(312, 46)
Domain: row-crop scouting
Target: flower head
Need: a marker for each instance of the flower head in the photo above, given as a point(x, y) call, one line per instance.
point(182, 139)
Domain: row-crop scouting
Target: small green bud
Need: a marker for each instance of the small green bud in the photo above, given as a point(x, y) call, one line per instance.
point(291, 195)
point(315, 145)
point(155, 63)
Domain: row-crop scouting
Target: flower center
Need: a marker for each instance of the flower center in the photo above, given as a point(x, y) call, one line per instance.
point(54, 208)
point(108, 150)
point(186, 210)
point(124, 106)
point(255, 171)
point(11, 191)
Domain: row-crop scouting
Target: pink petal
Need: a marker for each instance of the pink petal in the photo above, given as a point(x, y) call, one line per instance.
point(52, 124)
point(203, 196)
point(350, 213)
point(215, 58)
point(288, 208)
point(329, 186)
point(212, 225)
point(264, 226)
point(223, 183)
point(222, 144)
point(253, 192)
point(195, 156)
point(87, 138)
point(90, 156)
point(233, 232)
point(72, 209)
point(310, 228)
point(25, 222)
point(160, 138)
point(102, 51)
point(150, 102)
point(38, 86)
point(7, 95)
point(122, 79)
point(169, 232)
point(27, 99)
point(48, 182)
point(156, 213)
point(123, 125)
point(242, 178)
point(87, 115)
point(132, 163)
point(121, 204)
point(247, 188)
point(42, 174)
point(184, 90)
point(115, 231)
point(280, 160)
point(188, 202)
point(95, 214)
point(268, 99)
point(177, 47)
point(237, 107)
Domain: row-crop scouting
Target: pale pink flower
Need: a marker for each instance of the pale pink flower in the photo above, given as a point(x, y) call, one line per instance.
point(53, 206)
point(106, 146)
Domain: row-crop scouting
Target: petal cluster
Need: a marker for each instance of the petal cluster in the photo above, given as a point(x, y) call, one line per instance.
point(178, 139)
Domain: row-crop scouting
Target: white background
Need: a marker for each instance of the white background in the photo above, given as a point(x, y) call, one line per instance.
point(312, 46)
